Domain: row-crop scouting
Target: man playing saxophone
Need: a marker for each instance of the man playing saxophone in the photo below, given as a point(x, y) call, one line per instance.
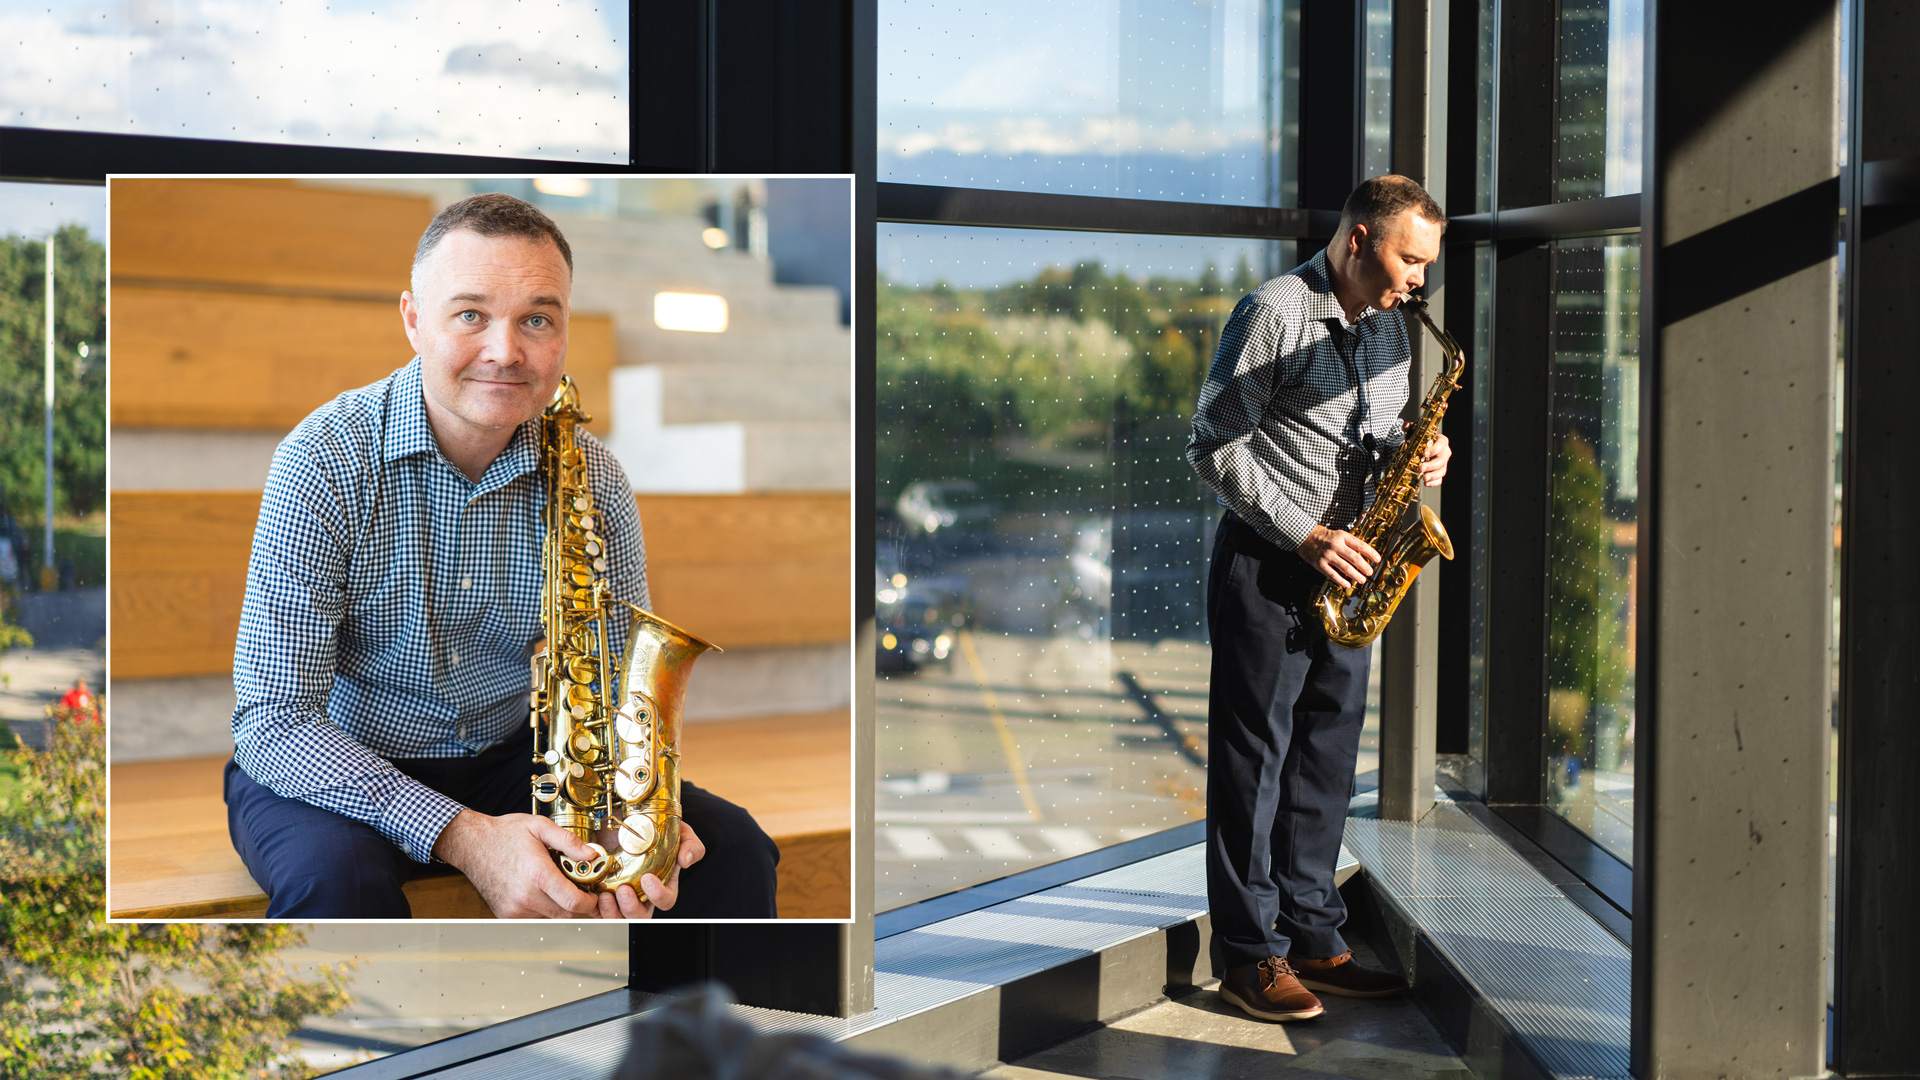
point(1299, 411)
point(393, 597)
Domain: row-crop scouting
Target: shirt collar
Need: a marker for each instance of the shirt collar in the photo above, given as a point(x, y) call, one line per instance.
point(407, 428)
point(1321, 302)
point(409, 432)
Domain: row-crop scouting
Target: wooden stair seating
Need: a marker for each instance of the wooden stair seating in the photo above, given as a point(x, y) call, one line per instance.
point(244, 305)
point(172, 858)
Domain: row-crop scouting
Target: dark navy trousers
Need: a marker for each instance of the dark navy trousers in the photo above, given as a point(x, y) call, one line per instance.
point(1284, 711)
point(316, 864)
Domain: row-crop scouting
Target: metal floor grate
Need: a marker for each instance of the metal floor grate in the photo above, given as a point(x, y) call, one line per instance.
point(1560, 981)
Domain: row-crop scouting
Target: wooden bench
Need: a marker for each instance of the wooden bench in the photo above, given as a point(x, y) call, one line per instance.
point(169, 855)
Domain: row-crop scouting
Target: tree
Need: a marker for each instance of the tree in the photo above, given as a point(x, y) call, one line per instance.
point(78, 995)
point(80, 417)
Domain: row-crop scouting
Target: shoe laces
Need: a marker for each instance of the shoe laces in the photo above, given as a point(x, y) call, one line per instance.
point(1273, 968)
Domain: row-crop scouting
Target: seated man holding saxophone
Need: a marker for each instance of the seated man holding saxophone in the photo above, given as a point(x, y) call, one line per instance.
point(394, 596)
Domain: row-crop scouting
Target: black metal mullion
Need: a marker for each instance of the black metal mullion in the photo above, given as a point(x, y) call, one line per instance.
point(923, 204)
point(88, 157)
point(1330, 74)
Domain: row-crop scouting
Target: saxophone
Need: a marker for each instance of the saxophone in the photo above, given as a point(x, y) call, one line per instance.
point(607, 737)
point(1354, 615)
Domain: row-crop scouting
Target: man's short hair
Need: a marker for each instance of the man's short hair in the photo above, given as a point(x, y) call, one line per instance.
point(1383, 198)
point(492, 214)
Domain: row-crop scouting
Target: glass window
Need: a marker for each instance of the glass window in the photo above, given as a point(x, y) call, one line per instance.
point(1600, 86)
point(1376, 152)
point(1149, 99)
point(1593, 537)
point(1480, 351)
point(1487, 58)
point(1043, 544)
point(478, 77)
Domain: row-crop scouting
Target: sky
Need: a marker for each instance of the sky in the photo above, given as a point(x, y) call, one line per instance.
point(34, 210)
point(523, 78)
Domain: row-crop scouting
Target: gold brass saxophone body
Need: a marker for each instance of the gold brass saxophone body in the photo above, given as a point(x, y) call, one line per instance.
point(607, 737)
point(1355, 615)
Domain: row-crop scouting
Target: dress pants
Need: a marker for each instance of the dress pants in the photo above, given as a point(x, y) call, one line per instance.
point(1284, 711)
point(316, 864)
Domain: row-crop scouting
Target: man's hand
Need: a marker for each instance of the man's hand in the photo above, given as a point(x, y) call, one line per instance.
point(506, 859)
point(622, 903)
point(1344, 558)
point(1433, 468)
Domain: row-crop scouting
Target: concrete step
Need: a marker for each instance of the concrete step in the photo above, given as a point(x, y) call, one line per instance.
point(788, 347)
point(752, 393)
point(799, 456)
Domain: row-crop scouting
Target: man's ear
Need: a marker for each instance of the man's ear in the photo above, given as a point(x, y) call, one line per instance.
point(410, 319)
point(1358, 238)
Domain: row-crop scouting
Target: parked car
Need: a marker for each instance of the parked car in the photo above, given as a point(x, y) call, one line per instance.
point(937, 506)
point(918, 619)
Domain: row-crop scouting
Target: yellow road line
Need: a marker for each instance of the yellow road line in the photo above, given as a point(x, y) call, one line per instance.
point(1000, 725)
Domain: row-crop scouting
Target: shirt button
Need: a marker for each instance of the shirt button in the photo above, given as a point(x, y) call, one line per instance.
point(455, 660)
point(466, 583)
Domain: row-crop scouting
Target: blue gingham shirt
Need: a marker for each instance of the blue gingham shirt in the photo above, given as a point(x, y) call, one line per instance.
point(1279, 432)
point(391, 602)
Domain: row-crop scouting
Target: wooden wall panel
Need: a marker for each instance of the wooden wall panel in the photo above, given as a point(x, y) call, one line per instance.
point(201, 358)
point(739, 570)
point(255, 233)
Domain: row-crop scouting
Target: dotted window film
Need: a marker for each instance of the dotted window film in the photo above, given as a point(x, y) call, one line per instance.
point(1043, 545)
point(1594, 537)
point(1147, 99)
point(504, 78)
point(1600, 96)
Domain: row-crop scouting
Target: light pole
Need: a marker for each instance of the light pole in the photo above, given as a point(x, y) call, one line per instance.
point(49, 576)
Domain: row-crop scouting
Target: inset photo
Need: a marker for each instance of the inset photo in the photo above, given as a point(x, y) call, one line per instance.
point(480, 548)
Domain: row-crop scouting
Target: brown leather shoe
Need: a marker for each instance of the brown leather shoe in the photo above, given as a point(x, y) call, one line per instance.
point(1347, 977)
point(1270, 991)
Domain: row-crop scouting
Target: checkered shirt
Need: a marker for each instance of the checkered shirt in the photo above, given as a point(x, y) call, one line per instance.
point(391, 602)
point(1278, 431)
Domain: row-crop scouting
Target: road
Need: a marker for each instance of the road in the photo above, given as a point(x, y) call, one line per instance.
point(1028, 748)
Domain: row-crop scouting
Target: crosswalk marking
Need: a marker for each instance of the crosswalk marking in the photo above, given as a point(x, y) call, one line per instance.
point(1068, 840)
point(997, 843)
point(915, 843)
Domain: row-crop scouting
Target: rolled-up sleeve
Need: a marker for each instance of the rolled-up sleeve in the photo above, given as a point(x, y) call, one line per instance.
point(1226, 449)
point(283, 667)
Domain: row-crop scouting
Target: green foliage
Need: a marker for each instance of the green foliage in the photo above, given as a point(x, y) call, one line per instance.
point(1586, 642)
point(80, 418)
point(1008, 385)
point(81, 996)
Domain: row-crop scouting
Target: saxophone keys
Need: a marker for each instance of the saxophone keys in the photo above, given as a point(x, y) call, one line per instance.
point(632, 729)
point(633, 779)
point(593, 546)
point(587, 871)
point(581, 504)
point(546, 787)
point(600, 565)
point(636, 834)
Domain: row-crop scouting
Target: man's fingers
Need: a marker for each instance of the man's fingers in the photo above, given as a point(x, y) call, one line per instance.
point(691, 849)
point(568, 899)
point(663, 894)
point(631, 905)
point(558, 838)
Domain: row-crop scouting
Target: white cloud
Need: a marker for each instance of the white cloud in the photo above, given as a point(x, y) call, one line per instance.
point(1067, 136)
point(533, 78)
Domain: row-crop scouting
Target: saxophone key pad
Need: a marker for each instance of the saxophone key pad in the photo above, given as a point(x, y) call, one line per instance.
point(636, 834)
point(633, 779)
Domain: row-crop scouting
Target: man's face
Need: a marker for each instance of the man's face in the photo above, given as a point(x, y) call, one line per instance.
point(488, 316)
point(1392, 261)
